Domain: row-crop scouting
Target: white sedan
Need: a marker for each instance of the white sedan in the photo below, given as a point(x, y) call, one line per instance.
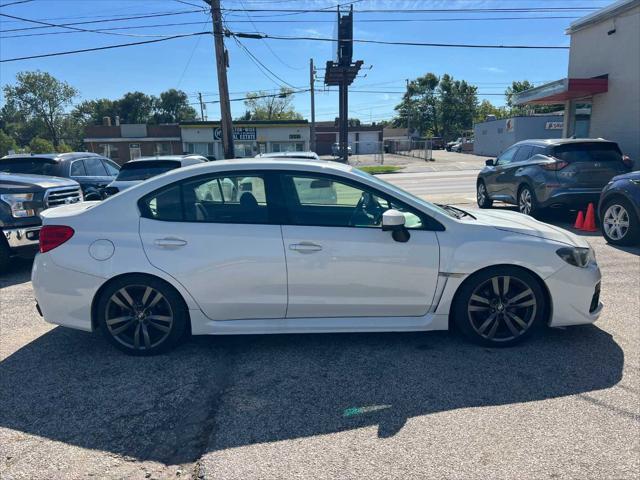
point(168, 258)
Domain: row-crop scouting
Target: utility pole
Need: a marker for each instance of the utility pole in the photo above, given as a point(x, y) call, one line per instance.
point(223, 86)
point(201, 106)
point(312, 77)
point(408, 117)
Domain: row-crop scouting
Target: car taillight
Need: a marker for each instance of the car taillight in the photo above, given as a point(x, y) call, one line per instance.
point(557, 165)
point(52, 236)
point(627, 161)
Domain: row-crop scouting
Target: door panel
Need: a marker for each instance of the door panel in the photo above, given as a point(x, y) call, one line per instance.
point(357, 272)
point(234, 271)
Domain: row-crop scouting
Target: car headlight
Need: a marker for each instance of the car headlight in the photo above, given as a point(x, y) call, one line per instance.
point(577, 256)
point(18, 204)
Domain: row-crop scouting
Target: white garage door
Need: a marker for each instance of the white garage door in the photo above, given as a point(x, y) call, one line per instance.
point(368, 143)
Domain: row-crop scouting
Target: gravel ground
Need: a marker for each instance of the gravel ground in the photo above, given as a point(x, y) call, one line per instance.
point(564, 405)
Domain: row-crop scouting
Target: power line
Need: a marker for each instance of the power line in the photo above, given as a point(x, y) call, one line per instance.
point(15, 3)
point(410, 44)
point(106, 47)
point(261, 65)
point(77, 29)
point(105, 20)
point(286, 94)
point(391, 20)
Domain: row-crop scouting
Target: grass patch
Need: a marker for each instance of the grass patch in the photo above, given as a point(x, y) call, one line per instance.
point(377, 169)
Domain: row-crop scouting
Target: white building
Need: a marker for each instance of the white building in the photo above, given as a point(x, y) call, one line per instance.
point(250, 137)
point(604, 71)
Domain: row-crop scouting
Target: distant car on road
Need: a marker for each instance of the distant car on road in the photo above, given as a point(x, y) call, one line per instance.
point(335, 149)
point(562, 172)
point(619, 209)
point(92, 171)
point(136, 171)
point(450, 145)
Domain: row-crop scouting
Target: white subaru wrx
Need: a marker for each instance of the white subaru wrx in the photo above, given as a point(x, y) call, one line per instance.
point(182, 253)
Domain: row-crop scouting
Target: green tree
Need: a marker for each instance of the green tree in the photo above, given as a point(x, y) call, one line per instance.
point(6, 143)
point(135, 107)
point(40, 97)
point(41, 145)
point(262, 106)
point(173, 107)
point(419, 107)
point(521, 86)
point(487, 108)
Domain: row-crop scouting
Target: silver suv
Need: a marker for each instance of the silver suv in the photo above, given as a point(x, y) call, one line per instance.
point(563, 172)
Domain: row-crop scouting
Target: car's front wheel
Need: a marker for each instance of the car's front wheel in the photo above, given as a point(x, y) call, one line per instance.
point(500, 307)
point(142, 315)
point(620, 225)
point(482, 196)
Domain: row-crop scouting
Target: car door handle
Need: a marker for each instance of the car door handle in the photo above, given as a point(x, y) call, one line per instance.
point(170, 242)
point(305, 247)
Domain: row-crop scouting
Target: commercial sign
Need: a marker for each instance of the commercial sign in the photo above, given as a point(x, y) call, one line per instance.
point(239, 133)
point(553, 125)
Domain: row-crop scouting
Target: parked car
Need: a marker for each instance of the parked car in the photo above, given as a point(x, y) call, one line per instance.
point(449, 146)
point(92, 171)
point(22, 198)
point(437, 143)
point(156, 262)
point(335, 149)
point(562, 172)
point(137, 171)
point(619, 209)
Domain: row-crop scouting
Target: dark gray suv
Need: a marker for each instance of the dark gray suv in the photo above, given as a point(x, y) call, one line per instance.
point(563, 172)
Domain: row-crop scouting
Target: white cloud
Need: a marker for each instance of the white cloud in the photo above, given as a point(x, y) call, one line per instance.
point(493, 70)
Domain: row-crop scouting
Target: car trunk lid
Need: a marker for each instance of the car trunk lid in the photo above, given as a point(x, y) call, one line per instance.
point(589, 164)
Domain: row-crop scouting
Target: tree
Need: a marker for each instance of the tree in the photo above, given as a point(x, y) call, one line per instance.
point(135, 107)
point(41, 97)
point(516, 87)
point(41, 145)
point(487, 108)
point(521, 86)
point(173, 107)
point(6, 143)
point(262, 106)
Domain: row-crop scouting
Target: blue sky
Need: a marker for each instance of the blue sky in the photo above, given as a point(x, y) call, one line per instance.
point(189, 64)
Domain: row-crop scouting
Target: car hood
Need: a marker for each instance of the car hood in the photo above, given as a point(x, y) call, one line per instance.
point(627, 176)
point(12, 181)
point(518, 223)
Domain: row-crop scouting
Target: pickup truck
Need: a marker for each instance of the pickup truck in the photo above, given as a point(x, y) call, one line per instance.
point(22, 198)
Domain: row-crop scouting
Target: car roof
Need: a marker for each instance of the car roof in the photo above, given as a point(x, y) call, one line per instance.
point(55, 157)
point(170, 158)
point(562, 141)
point(325, 166)
point(307, 154)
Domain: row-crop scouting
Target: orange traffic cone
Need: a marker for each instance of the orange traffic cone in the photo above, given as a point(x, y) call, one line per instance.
point(590, 220)
point(579, 220)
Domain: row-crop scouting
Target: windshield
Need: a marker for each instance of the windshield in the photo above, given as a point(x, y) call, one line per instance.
point(404, 193)
point(146, 169)
point(33, 166)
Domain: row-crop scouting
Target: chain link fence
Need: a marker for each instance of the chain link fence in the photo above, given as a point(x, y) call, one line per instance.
point(364, 153)
point(422, 149)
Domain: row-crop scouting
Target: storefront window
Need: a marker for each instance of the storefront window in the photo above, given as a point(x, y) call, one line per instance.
point(245, 149)
point(199, 148)
point(162, 148)
point(277, 147)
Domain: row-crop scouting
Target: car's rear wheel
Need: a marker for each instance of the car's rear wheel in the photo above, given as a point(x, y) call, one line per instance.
point(620, 225)
point(142, 315)
point(527, 203)
point(500, 307)
point(482, 195)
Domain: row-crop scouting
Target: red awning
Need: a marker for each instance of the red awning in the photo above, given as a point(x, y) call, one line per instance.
point(562, 90)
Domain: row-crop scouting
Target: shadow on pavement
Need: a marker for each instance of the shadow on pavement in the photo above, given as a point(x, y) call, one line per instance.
point(19, 271)
point(221, 392)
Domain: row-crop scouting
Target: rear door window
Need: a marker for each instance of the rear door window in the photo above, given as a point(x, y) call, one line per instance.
point(94, 167)
point(112, 168)
point(523, 153)
point(77, 169)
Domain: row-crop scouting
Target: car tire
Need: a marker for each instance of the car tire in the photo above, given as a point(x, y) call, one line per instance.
point(5, 254)
point(615, 214)
point(527, 202)
point(504, 317)
point(142, 315)
point(482, 196)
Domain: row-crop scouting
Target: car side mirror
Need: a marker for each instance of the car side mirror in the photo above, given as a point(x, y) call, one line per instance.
point(490, 163)
point(393, 221)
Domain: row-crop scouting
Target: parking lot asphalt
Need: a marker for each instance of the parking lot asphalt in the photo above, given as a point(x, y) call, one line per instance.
point(565, 404)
